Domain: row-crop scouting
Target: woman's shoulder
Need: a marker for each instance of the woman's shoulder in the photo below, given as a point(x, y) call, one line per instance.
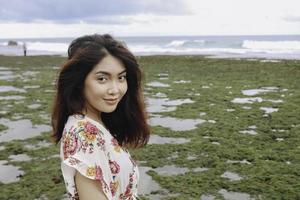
point(83, 132)
point(78, 123)
point(74, 121)
point(75, 118)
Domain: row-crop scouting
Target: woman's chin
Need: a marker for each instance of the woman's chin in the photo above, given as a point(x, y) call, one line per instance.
point(110, 110)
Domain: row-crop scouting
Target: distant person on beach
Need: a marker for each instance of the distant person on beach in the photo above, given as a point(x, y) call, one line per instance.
point(25, 49)
point(98, 113)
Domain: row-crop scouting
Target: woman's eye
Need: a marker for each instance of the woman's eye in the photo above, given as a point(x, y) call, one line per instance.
point(102, 79)
point(122, 77)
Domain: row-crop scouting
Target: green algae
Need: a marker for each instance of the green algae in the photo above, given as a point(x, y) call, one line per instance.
point(274, 172)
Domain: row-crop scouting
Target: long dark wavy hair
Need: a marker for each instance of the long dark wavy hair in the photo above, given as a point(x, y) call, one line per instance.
point(128, 123)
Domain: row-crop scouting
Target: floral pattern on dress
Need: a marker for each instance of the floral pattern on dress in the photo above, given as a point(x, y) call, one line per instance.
point(84, 147)
point(87, 133)
point(127, 195)
point(114, 167)
point(94, 172)
point(114, 187)
point(116, 145)
point(69, 144)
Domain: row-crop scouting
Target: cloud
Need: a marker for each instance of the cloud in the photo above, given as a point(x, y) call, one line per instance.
point(292, 18)
point(90, 11)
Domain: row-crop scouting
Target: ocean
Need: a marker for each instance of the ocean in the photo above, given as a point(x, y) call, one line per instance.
point(259, 46)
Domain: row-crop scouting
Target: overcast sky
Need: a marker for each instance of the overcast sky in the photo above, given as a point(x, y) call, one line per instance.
point(72, 18)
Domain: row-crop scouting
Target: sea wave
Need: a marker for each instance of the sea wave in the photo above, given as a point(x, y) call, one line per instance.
point(186, 43)
point(155, 49)
point(217, 52)
point(48, 46)
point(175, 46)
point(54, 47)
point(272, 46)
point(3, 43)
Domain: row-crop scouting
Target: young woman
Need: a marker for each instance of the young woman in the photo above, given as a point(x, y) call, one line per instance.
point(98, 113)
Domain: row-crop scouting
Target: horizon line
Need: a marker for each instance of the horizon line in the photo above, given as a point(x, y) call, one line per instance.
point(131, 36)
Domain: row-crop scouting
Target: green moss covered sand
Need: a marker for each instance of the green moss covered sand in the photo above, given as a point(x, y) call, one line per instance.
point(274, 172)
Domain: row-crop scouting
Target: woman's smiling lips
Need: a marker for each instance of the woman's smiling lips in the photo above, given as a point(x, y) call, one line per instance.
point(111, 101)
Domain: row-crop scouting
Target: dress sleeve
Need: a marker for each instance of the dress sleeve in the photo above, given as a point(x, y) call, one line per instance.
point(84, 149)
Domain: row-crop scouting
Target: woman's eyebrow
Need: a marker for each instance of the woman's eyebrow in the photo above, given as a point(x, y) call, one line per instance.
point(107, 73)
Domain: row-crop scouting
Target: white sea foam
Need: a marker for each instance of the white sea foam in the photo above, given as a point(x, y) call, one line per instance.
point(155, 49)
point(282, 46)
point(4, 43)
point(182, 43)
point(176, 43)
point(47, 46)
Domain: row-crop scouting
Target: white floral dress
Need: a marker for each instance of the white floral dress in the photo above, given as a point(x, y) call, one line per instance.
point(88, 147)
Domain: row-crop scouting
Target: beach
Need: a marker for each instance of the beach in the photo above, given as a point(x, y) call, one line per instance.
point(221, 128)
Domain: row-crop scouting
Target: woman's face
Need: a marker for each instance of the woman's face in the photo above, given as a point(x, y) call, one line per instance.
point(105, 86)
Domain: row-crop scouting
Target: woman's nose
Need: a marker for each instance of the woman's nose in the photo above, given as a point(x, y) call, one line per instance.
point(113, 88)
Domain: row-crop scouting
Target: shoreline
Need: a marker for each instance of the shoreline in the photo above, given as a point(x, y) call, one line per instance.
point(209, 56)
point(275, 47)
